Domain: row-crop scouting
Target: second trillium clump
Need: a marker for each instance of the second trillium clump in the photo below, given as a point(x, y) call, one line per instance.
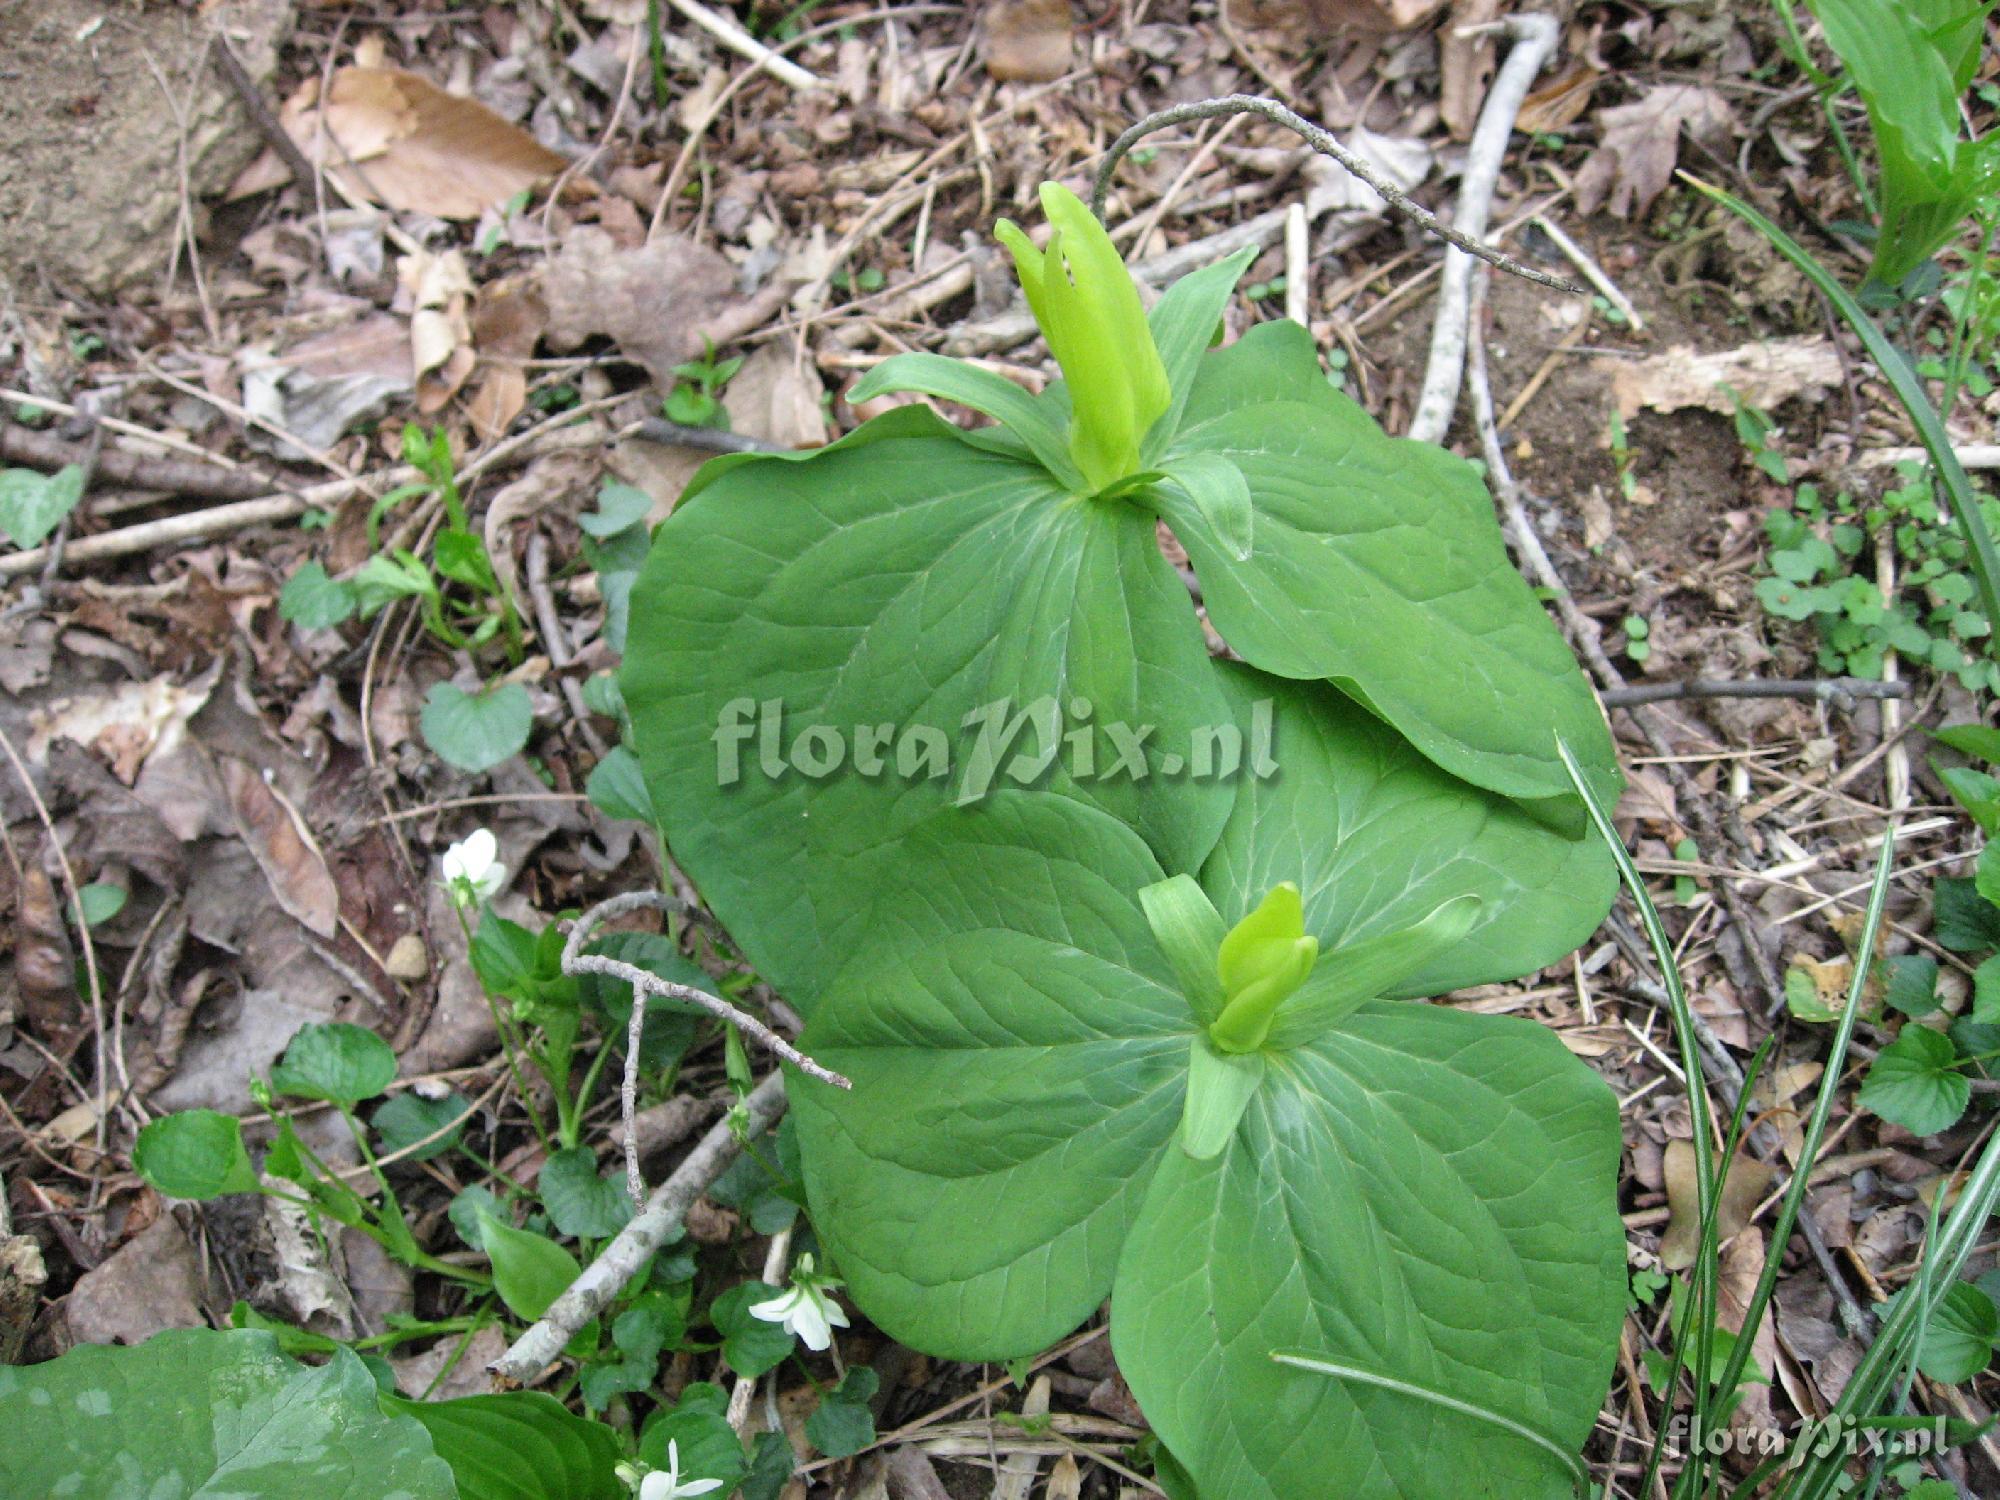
point(1148, 1035)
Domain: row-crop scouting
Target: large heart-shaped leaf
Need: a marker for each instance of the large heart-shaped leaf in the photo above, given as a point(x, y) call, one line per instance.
point(1422, 1199)
point(1017, 1052)
point(911, 577)
point(196, 1413)
point(520, 1445)
point(1376, 563)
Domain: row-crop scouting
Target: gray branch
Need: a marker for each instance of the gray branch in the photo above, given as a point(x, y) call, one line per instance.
point(1535, 38)
point(1323, 142)
point(644, 984)
point(660, 1220)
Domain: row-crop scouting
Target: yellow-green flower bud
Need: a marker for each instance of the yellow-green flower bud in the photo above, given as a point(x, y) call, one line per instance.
point(1263, 961)
point(1089, 311)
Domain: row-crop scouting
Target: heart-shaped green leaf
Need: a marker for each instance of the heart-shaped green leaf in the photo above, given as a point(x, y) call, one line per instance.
point(1426, 1197)
point(335, 1061)
point(197, 1154)
point(476, 731)
point(791, 608)
point(32, 505)
point(1378, 838)
point(195, 1412)
point(1375, 563)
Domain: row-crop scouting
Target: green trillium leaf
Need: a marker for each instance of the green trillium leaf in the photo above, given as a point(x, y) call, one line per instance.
point(199, 1413)
point(1018, 1049)
point(1376, 564)
point(1377, 839)
point(1036, 422)
point(1220, 1087)
point(1427, 1196)
point(1189, 931)
point(929, 622)
point(519, 1445)
point(1421, 1193)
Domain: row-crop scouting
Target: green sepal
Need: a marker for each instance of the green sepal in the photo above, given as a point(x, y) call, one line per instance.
point(1189, 931)
point(1348, 978)
point(1220, 1086)
point(1033, 421)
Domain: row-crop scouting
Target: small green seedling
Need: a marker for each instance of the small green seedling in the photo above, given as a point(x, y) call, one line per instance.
point(696, 397)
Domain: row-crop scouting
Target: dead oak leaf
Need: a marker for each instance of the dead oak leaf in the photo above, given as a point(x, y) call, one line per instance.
point(1640, 142)
point(399, 139)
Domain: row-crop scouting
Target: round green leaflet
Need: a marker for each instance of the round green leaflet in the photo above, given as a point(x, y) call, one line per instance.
point(1420, 1197)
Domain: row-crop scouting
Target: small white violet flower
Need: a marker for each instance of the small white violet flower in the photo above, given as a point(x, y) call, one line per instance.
point(473, 873)
point(806, 1310)
point(667, 1486)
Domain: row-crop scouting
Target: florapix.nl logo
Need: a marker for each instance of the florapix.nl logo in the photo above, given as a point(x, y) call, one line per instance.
point(996, 744)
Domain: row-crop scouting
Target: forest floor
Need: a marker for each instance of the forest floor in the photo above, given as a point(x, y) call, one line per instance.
point(233, 357)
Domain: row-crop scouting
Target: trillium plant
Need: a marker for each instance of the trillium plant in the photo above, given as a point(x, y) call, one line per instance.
point(1122, 945)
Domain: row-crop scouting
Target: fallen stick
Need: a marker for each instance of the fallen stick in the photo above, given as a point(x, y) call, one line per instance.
point(44, 450)
point(739, 41)
point(1825, 689)
point(1592, 272)
point(194, 526)
point(1534, 39)
point(604, 1278)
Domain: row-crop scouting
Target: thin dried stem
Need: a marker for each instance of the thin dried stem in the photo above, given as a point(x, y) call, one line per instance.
point(1323, 142)
point(644, 984)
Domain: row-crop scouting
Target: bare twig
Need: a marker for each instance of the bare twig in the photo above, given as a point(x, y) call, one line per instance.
point(739, 41)
point(191, 526)
point(1837, 690)
point(1323, 142)
point(644, 984)
point(275, 135)
point(1534, 39)
point(44, 450)
point(708, 439)
point(1592, 272)
point(660, 1221)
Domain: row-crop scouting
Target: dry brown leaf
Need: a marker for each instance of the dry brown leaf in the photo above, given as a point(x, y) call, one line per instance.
point(654, 301)
point(1743, 1189)
point(1735, 1283)
point(1465, 63)
point(441, 354)
point(1027, 40)
point(507, 322)
point(1557, 105)
point(412, 145)
point(152, 1282)
point(1765, 374)
point(44, 962)
point(774, 396)
point(282, 847)
point(1640, 142)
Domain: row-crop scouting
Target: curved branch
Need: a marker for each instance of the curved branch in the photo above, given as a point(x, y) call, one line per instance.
point(1323, 142)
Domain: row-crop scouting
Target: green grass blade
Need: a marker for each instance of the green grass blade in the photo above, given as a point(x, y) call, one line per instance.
point(1701, 1116)
point(1795, 1191)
